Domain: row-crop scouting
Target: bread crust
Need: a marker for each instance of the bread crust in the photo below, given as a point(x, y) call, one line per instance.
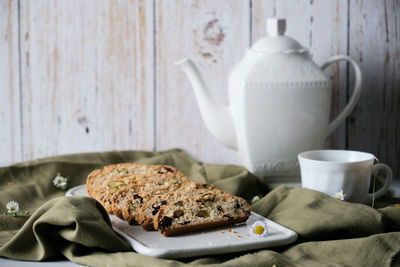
point(90, 180)
point(197, 227)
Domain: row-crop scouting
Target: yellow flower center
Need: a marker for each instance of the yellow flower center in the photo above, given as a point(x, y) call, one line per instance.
point(12, 209)
point(259, 230)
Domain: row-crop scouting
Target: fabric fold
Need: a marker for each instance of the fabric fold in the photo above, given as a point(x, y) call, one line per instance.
point(331, 232)
point(317, 216)
point(62, 224)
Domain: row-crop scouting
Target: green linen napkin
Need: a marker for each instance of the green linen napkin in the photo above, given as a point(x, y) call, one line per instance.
point(331, 232)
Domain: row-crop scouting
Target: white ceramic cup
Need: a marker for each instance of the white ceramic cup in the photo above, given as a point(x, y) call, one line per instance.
point(331, 171)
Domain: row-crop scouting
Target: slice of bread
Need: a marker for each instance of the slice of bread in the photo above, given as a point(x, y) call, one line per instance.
point(104, 194)
point(100, 178)
point(119, 198)
point(116, 200)
point(103, 184)
point(200, 212)
point(133, 199)
point(144, 216)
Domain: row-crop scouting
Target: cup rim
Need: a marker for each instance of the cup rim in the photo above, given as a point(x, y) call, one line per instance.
point(302, 156)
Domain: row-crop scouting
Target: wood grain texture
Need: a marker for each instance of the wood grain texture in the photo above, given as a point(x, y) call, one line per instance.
point(10, 116)
point(87, 75)
point(375, 42)
point(213, 34)
point(320, 26)
point(84, 79)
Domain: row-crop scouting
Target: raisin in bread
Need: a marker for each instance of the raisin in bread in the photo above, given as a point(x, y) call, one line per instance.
point(144, 216)
point(200, 212)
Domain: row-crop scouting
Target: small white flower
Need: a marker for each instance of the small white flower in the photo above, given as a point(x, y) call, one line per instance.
point(255, 199)
point(60, 182)
point(339, 195)
point(12, 207)
point(63, 185)
point(259, 229)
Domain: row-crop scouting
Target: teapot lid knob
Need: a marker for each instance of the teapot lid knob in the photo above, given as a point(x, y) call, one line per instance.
point(276, 41)
point(276, 26)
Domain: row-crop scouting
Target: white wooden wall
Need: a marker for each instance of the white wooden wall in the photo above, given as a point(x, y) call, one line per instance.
point(84, 75)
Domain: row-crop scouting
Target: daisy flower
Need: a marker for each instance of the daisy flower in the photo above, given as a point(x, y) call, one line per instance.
point(255, 199)
point(12, 207)
point(339, 195)
point(60, 182)
point(259, 229)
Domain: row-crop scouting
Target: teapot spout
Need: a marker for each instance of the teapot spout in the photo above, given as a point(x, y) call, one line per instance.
point(217, 117)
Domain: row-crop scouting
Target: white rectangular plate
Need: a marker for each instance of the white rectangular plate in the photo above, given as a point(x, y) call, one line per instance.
point(214, 241)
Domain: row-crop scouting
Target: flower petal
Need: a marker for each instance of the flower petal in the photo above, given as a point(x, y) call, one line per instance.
point(259, 229)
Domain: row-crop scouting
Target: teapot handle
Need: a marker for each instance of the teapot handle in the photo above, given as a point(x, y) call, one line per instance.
point(356, 92)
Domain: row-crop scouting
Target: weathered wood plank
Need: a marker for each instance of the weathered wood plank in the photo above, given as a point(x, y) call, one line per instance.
point(215, 35)
point(10, 116)
point(375, 42)
point(320, 26)
point(87, 75)
point(87, 71)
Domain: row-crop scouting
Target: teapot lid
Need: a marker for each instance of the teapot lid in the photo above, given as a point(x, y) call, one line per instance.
point(276, 41)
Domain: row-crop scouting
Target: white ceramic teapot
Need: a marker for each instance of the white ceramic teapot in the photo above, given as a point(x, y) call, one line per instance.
point(279, 103)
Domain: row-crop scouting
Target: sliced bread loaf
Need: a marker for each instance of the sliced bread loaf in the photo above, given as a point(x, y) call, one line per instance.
point(200, 212)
